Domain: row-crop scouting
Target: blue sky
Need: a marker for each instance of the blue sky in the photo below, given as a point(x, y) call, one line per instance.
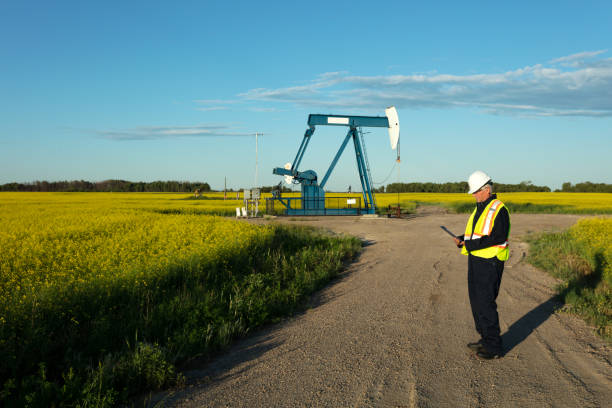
point(147, 91)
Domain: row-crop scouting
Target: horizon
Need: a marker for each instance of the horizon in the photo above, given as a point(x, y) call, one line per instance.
point(292, 187)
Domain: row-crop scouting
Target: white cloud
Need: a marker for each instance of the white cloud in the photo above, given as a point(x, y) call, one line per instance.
point(157, 133)
point(575, 85)
point(578, 56)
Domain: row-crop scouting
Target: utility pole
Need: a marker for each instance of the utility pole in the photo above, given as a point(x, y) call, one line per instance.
point(256, 135)
point(225, 189)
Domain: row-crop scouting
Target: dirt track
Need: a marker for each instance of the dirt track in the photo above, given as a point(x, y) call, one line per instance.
point(391, 332)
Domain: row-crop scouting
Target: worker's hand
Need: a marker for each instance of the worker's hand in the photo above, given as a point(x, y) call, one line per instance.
point(458, 242)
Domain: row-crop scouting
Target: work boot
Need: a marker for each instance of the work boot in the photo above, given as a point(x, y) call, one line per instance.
point(485, 354)
point(475, 346)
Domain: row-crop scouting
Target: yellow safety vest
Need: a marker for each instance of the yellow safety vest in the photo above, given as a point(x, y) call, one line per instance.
point(484, 226)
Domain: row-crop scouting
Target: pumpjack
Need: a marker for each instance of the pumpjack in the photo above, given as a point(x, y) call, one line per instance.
point(312, 200)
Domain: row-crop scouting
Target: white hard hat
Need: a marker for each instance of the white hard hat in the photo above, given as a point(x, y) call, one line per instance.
point(477, 180)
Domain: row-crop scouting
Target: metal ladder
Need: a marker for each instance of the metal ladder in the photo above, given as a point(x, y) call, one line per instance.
point(367, 163)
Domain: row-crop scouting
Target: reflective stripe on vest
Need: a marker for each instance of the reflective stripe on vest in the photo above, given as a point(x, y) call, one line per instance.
point(488, 225)
point(484, 226)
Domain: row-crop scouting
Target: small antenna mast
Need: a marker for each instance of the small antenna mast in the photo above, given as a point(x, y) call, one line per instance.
point(398, 173)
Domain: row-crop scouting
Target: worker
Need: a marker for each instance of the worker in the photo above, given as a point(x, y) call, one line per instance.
point(485, 243)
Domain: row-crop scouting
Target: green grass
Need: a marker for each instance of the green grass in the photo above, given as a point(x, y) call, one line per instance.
point(586, 287)
point(192, 311)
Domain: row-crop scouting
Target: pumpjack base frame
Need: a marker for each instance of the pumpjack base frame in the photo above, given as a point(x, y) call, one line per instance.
point(326, 206)
point(326, 211)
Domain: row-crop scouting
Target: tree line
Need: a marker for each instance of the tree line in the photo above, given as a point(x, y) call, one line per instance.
point(586, 187)
point(109, 186)
point(458, 187)
point(189, 187)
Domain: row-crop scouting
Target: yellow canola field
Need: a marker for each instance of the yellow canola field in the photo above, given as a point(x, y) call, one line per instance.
point(63, 243)
point(600, 202)
point(595, 237)
point(65, 240)
point(595, 234)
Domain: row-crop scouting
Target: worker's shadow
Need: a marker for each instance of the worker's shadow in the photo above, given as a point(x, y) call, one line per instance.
point(523, 327)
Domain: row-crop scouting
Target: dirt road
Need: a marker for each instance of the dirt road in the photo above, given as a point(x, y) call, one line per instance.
point(391, 332)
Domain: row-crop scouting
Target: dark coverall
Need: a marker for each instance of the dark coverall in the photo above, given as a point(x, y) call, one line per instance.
point(484, 278)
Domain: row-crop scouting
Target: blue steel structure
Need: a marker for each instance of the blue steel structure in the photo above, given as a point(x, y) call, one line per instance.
point(312, 198)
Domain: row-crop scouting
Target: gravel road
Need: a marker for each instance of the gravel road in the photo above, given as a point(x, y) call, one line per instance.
point(391, 332)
